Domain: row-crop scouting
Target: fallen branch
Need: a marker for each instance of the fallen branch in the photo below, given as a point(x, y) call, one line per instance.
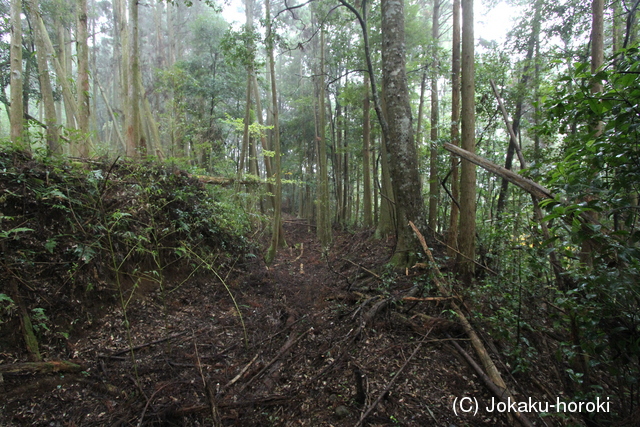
point(497, 391)
point(427, 298)
point(488, 364)
point(264, 401)
point(290, 343)
point(393, 380)
point(368, 271)
point(51, 367)
point(138, 347)
point(525, 183)
point(237, 377)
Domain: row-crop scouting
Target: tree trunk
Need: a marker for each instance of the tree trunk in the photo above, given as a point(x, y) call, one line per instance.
point(248, 6)
point(277, 237)
point(135, 144)
point(434, 187)
point(366, 160)
point(387, 215)
point(50, 119)
point(467, 237)
point(400, 143)
point(16, 112)
point(324, 216)
point(82, 50)
point(452, 234)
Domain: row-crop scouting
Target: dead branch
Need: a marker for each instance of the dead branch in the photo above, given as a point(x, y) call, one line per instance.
point(427, 298)
point(237, 377)
point(290, 343)
point(526, 184)
point(41, 368)
point(138, 347)
point(224, 181)
point(367, 270)
point(488, 364)
point(393, 380)
point(263, 401)
point(505, 116)
point(497, 391)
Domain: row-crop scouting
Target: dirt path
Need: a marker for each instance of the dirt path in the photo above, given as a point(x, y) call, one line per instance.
point(296, 361)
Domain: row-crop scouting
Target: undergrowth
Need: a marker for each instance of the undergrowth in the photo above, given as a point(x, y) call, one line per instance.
point(76, 236)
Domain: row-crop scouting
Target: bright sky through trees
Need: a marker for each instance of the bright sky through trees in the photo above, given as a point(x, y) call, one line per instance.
point(491, 23)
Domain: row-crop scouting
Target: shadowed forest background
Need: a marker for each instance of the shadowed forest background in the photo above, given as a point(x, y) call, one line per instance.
point(333, 213)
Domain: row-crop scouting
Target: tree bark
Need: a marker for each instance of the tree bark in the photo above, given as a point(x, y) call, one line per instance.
point(434, 187)
point(82, 49)
point(16, 112)
point(467, 236)
point(50, 119)
point(136, 145)
point(324, 217)
point(277, 237)
point(400, 143)
point(452, 234)
point(366, 160)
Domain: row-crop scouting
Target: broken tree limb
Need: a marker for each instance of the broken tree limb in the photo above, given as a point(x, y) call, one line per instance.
point(138, 347)
point(497, 391)
point(505, 116)
point(285, 348)
point(365, 269)
point(478, 346)
point(263, 401)
point(393, 380)
point(51, 367)
point(525, 183)
point(237, 377)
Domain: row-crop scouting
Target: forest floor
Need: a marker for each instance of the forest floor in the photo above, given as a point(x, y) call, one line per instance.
point(296, 356)
point(318, 338)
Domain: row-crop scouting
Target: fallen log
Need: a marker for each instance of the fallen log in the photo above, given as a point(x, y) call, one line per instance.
point(50, 367)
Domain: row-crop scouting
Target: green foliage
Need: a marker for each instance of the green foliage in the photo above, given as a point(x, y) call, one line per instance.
point(110, 226)
point(7, 306)
point(593, 306)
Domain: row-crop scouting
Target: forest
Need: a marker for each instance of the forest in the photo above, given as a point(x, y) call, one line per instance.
point(334, 212)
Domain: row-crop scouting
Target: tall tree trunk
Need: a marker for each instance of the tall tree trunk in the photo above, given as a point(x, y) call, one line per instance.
point(50, 119)
point(346, 187)
point(452, 234)
point(597, 44)
point(434, 188)
point(277, 237)
point(82, 49)
point(16, 112)
point(366, 159)
point(467, 237)
point(387, 212)
point(124, 73)
point(324, 216)
point(248, 6)
point(597, 58)
point(403, 159)
point(136, 145)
